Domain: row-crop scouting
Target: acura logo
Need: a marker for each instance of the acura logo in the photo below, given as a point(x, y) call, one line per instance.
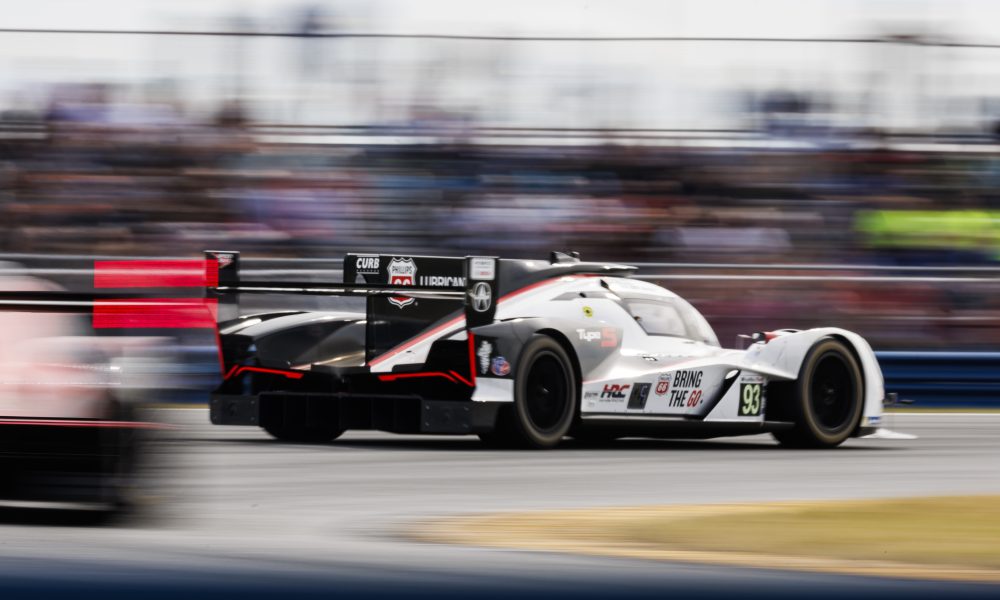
point(481, 297)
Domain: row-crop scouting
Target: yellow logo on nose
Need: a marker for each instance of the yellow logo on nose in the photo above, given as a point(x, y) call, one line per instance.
point(587, 311)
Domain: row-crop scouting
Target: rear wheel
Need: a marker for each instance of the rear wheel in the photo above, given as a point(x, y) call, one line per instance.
point(303, 434)
point(298, 418)
point(545, 398)
point(827, 400)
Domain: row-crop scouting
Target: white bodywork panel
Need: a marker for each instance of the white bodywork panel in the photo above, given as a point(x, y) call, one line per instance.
point(493, 390)
point(512, 306)
point(678, 377)
point(785, 354)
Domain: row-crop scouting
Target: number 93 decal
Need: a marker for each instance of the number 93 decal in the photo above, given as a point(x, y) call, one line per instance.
point(751, 400)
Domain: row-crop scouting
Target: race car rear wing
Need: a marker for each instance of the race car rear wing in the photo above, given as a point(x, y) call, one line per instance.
point(164, 293)
point(405, 294)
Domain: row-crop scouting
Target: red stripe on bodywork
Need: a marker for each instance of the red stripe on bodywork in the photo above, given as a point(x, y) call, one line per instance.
point(472, 358)
point(155, 313)
point(236, 370)
point(464, 380)
point(452, 376)
point(219, 353)
point(395, 376)
point(413, 341)
point(416, 340)
point(533, 286)
point(155, 273)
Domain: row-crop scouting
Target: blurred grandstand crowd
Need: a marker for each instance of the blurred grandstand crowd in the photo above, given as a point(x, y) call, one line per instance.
point(92, 176)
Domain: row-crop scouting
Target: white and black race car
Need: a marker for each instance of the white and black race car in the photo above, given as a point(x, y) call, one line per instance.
point(525, 352)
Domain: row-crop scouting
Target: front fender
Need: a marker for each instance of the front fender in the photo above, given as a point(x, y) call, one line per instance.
point(589, 352)
point(782, 358)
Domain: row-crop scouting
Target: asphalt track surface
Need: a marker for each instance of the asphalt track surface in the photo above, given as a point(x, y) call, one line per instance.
point(241, 515)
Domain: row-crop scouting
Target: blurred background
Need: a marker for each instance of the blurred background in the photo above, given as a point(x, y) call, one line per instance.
point(780, 163)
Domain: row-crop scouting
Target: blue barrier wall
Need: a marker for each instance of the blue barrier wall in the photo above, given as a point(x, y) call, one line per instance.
point(949, 379)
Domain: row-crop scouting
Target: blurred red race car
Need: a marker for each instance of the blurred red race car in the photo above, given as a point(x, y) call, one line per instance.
point(69, 431)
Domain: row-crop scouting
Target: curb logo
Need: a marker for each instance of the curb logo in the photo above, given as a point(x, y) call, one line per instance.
point(366, 265)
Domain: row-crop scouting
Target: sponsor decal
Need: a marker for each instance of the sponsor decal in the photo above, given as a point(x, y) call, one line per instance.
point(663, 384)
point(481, 297)
point(402, 271)
point(483, 269)
point(590, 395)
point(613, 390)
point(500, 367)
point(223, 258)
point(366, 265)
point(588, 312)
point(875, 420)
point(751, 400)
point(687, 379)
point(483, 354)
point(607, 336)
point(685, 389)
point(637, 400)
point(441, 281)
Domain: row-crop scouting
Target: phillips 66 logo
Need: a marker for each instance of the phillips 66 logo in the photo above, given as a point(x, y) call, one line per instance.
point(402, 271)
point(662, 385)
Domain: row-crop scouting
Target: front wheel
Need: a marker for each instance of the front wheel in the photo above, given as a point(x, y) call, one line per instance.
point(827, 400)
point(545, 397)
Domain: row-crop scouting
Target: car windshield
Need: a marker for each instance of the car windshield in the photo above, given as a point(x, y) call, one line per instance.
point(672, 317)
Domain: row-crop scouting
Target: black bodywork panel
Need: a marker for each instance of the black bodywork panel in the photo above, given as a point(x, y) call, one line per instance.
point(314, 366)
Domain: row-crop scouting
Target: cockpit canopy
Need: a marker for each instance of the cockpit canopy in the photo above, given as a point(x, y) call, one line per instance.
point(661, 312)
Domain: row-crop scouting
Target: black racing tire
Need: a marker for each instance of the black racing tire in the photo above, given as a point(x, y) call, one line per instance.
point(121, 450)
point(303, 434)
point(545, 398)
point(827, 400)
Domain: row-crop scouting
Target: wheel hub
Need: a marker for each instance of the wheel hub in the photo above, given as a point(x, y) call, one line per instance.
point(832, 392)
point(548, 392)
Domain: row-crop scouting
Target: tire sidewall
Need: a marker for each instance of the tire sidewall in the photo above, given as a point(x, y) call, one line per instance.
point(807, 419)
point(303, 435)
point(541, 345)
